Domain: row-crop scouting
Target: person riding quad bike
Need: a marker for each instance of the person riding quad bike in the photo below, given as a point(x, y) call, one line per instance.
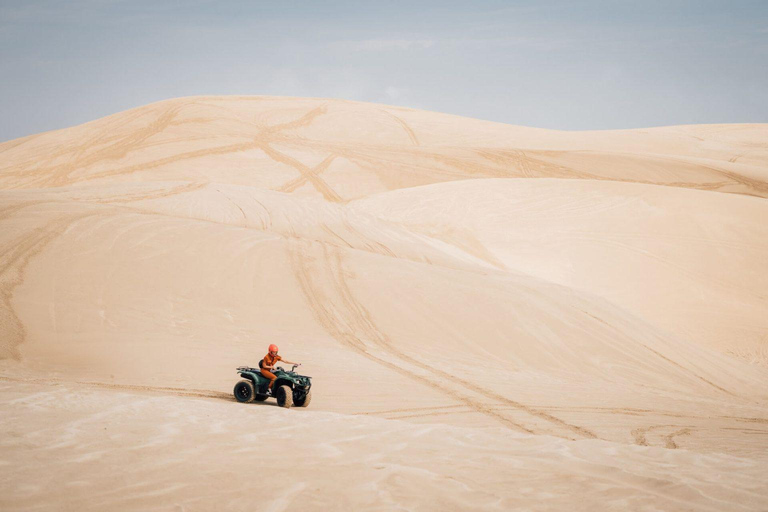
point(269, 362)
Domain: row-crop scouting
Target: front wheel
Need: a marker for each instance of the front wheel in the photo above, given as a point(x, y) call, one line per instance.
point(284, 396)
point(304, 402)
point(244, 391)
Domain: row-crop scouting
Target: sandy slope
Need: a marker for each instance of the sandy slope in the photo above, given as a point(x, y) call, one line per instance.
point(209, 455)
point(494, 316)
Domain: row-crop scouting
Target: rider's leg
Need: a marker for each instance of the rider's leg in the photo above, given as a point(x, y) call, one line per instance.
point(271, 376)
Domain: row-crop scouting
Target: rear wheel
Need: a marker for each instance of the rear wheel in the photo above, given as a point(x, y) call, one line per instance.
point(303, 402)
point(284, 396)
point(244, 391)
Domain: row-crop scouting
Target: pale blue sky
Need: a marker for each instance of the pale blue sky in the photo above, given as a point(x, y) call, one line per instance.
point(594, 64)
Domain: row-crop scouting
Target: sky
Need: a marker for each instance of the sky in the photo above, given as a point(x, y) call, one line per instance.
point(570, 65)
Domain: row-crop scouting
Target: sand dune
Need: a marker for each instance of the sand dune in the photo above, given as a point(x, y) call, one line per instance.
point(494, 316)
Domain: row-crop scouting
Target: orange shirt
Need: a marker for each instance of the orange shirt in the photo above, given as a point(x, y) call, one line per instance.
point(269, 360)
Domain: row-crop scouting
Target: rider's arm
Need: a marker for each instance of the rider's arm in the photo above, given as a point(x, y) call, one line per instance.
point(288, 362)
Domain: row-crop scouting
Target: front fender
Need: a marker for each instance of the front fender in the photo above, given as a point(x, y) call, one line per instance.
point(284, 382)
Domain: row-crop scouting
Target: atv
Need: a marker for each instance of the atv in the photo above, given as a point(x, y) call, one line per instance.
point(290, 388)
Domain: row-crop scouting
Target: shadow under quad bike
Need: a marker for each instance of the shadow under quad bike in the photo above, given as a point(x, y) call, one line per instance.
point(289, 389)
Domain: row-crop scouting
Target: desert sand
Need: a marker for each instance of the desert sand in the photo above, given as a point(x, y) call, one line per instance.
point(495, 317)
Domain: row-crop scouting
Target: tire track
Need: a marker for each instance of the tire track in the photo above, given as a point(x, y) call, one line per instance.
point(343, 327)
point(631, 411)
point(349, 322)
point(665, 358)
point(60, 174)
point(80, 158)
point(369, 244)
point(301, 180)
point(640, 435)
point(541, 168)
point(524, 164)
point(245, 217)
point(304, 120)
point(165, 390)
point(669, 439)
point(309, 174)
point(189, 155)
point(408, 130)
point(757, 185)
point(106, 135)
point(382, 340)
point(260, 141)
point(14, 259)
point(156, 194)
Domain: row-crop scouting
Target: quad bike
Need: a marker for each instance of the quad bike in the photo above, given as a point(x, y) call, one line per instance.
point(289, 389)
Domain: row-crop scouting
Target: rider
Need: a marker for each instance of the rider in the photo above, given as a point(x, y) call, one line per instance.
point(268, 363)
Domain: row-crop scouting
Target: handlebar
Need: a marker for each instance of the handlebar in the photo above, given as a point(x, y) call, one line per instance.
point(281, 369)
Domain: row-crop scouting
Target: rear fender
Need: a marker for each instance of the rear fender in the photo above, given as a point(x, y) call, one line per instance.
point(258, 379)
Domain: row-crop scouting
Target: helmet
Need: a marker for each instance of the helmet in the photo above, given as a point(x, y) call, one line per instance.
point(273, 348)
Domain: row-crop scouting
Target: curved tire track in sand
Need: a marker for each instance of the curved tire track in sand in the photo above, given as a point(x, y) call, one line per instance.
point(304, 120)
point(382, 340)
point(59, 174)
point(13, 260)
point(408, 129)
point(350, 323)
point(342, 325)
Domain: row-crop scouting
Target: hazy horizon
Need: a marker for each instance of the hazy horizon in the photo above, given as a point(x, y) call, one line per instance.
point(551, 64)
